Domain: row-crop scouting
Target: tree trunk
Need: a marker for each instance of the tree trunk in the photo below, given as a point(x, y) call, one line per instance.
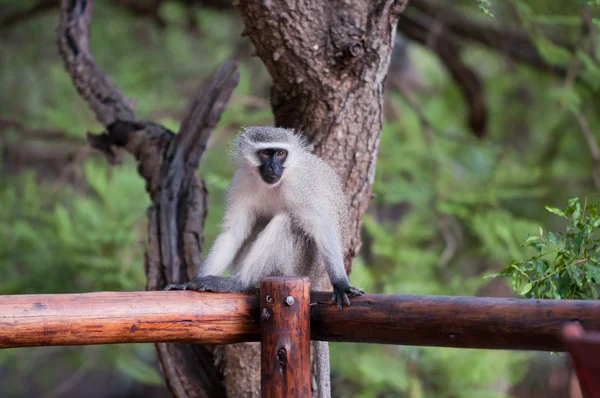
point(328, 61)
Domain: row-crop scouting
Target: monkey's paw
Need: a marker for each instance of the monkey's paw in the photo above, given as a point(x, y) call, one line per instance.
point(197, 284)
point(210, 283)
point(342, 292)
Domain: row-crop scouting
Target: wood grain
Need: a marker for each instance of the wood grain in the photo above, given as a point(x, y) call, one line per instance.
point(212, 318)
point(467, 322)
point(285, 337)
point(127, 317)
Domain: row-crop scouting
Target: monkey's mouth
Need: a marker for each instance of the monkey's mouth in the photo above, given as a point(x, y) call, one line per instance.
point(271, 178)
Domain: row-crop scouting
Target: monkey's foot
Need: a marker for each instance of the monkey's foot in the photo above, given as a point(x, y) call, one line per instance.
point(210, 283)
point(342, 292)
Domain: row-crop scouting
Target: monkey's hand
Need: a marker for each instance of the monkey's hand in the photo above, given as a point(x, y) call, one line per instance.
point(211, 283)
point(341, 293)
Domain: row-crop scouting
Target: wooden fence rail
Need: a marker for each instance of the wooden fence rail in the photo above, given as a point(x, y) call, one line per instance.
point(181, 316)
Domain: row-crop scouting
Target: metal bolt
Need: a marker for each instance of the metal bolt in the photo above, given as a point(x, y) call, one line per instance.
point(289, 300)
point(269, 299)
point(265, 315)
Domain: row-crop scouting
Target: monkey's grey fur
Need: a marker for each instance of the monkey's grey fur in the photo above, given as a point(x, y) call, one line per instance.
point(296, 226)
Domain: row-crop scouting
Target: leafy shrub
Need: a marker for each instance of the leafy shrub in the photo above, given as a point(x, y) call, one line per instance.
point(568, 263)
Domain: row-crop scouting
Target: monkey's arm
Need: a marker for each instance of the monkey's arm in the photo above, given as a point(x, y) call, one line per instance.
point(238, 223)
point(324, 231)
point(237, 226)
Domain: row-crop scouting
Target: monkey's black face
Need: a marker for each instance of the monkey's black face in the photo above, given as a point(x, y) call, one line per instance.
point(271, 164)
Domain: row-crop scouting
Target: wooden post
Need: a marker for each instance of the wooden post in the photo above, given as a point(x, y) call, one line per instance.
point(585, 354)
point(285, 337)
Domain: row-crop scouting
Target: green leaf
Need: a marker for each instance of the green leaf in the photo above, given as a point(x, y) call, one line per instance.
point(551, 52)
point(556, 211)
point(552, 238)
point(526, 288)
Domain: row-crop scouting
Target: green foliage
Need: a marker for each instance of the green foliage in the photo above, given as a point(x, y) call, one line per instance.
point(450, 208)
point(567, 265)
point(484, 6)
point(52, 243)
point(55, 242)
point(595, 3)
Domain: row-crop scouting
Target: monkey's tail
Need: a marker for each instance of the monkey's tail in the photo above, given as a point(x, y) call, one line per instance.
point(322, 369)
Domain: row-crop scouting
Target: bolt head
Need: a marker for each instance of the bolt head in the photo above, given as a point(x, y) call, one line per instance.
point(289, 300)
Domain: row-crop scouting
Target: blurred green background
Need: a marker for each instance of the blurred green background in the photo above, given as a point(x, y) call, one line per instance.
point(449, 208)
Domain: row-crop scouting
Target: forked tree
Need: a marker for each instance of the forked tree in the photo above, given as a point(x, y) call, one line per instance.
point(328, 61)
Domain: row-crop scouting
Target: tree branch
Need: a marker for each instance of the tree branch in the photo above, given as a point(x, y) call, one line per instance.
point(516, 45)
point(168, 163)
point(38, 8)
point(449, 52)
point(182, 159)
point(101, 94)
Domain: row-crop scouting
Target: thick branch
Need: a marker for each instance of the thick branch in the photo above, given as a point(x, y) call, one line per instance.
point(177, 174)
point(102, 96)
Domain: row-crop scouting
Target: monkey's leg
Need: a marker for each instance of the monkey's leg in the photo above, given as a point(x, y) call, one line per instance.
point(271, 252)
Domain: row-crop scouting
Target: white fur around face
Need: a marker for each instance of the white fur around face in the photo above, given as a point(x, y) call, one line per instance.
point(266, 145)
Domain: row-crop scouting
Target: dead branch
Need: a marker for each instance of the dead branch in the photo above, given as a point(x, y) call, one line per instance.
point(177, 175)
point(167, 162)
point(100, 93)
point(29, 133)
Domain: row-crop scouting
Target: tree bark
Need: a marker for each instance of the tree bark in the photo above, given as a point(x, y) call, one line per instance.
point(328, 61)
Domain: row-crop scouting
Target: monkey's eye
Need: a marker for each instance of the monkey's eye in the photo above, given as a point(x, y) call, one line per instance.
point(266, 152)
point(281, 153)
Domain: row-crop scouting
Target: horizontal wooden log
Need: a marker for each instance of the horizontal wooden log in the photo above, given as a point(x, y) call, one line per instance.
point(467, 322)
point(127, 317)
point(183, 316)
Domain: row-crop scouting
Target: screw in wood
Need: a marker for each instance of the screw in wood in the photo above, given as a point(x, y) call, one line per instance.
point(265, 314)
point(289, 300)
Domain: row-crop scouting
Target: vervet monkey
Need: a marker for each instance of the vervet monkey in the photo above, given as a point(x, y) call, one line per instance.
point(286, 215)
